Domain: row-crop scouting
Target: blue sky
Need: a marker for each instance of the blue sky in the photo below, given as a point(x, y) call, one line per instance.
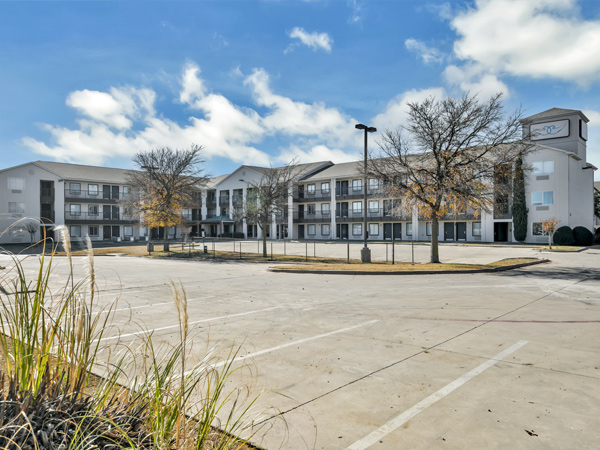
point(259, 82)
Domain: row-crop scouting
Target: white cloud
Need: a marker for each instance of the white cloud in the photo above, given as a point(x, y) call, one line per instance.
point(395, 113)
point(427, 54)
point(593, 144)
point(316, 153)
point(356, 17)
point(475, 79)
point(123, 121)
point(313, 40)
point(298, 119)
point(530, 38)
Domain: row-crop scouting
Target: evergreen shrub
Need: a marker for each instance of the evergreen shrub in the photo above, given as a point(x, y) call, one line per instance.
point(564, 236)
point(583, 236)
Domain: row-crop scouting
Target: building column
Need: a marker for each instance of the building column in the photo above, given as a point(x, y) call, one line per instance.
point(332, 231)
point(244, 224)
point(291, 212)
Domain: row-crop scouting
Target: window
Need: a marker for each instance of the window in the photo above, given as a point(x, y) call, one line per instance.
point(325, 188)
point(373, 229)
point(373, 184)
point(75, 210)
point(409, 229)
point(310, 189)
point(93, 189)
point(542, 198)
point(93, 210)
point(537, 229)
point(75, 188)
point(75, 231)
point(476, 228)
point(312, 229)
point(126, 191)
point(357, 229)
point(16, 184)
point(310, 210)
point(325, 209)
point(93, 230)
point(127, 231)
point(16, 207)
point(357, 185)
point(428, 228)
point(543, 167)
point(387, 207)
point(373, 206)
point(356, 207)
point(325, 229)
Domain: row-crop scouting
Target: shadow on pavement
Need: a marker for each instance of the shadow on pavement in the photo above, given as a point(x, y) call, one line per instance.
point(556, 273)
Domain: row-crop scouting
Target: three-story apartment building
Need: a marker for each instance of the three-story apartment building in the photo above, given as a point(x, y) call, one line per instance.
point(326, 200)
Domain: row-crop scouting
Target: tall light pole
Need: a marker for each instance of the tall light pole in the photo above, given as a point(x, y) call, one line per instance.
point(365, 253)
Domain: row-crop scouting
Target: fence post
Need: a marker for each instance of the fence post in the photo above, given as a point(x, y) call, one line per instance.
point(214, 251)
point(393, 252)
point(271, 251)
point(306, 253)
point(412, 247)
point(240, 249)
point(315, 249)
point(348, 255)
point(284, 253)
point(234, 246)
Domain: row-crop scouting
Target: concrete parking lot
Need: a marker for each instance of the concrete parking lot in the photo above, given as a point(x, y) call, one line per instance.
point(507, 360)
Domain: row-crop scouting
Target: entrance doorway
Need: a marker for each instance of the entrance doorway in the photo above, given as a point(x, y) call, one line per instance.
point(341, 231)
point(300, 231)
point(501, 232)
point(461, 231)
point(448, 231)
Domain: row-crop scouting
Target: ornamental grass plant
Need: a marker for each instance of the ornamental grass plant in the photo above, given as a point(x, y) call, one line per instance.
point(63, 387)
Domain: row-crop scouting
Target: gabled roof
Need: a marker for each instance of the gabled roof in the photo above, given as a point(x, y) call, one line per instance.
point(553, 112)
point(349, 169)
point(83, 172)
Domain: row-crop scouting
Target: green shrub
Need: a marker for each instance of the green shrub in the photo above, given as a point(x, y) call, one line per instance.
point(597, 236)
point(583, 236)
point(564, 236)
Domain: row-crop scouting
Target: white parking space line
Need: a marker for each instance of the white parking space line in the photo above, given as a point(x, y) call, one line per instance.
point(152, 305)
point(400, 420)
point(300, 341)
point(191, 323)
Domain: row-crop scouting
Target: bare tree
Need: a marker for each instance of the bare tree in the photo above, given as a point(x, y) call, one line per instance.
point(268, 197)
point(165, 184)
point(549, 226)
point(454, 156)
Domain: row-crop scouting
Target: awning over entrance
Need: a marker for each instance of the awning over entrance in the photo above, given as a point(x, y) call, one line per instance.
point(218, 219)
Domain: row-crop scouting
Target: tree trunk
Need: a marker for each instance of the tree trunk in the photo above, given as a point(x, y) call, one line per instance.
point(550, 240)
point(166, 239)
point(435, 252)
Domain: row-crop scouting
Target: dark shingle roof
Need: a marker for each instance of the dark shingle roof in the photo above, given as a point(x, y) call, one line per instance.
point(83, 172)
point(553, 112)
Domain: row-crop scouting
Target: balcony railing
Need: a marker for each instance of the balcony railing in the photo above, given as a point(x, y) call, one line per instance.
point(224, 201)
point(100, 217)
point(237, 199)
point(47, 194)
point(86, 195)
point(317, 216)
point(307, 196)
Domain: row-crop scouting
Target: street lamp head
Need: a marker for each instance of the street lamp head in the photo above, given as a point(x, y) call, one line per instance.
point(360, 126)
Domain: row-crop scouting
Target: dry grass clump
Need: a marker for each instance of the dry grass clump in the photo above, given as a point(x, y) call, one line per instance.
point(50, 398)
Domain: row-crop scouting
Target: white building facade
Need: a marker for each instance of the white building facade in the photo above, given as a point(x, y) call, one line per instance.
point(326, 201)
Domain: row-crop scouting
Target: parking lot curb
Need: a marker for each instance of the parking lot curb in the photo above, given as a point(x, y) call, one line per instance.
point(409, 272)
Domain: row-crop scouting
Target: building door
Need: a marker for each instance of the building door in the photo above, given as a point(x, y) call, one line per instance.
point(300, 211)
point(387, 231)
point(448, 231)
point(501, 232)
point(106, 232)
point(461, 231)
point(344, 187)
point(344, 209)
point(344, 231)
point(116, 231)
point(105, 191)
point(115, 192)
point(115, 213)
point(398, 231)
point(106, 212)
point(300, 231)
point(301, 191)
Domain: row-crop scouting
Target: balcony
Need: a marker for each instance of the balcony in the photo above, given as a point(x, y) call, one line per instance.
point(300, 195)
point(47, 195)
point(317, 216)
point(98, 218)
point(72, 195)
point(224, 201)
point(237, 199)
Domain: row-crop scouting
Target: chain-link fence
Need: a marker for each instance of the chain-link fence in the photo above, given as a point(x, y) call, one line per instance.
point(390, 251)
